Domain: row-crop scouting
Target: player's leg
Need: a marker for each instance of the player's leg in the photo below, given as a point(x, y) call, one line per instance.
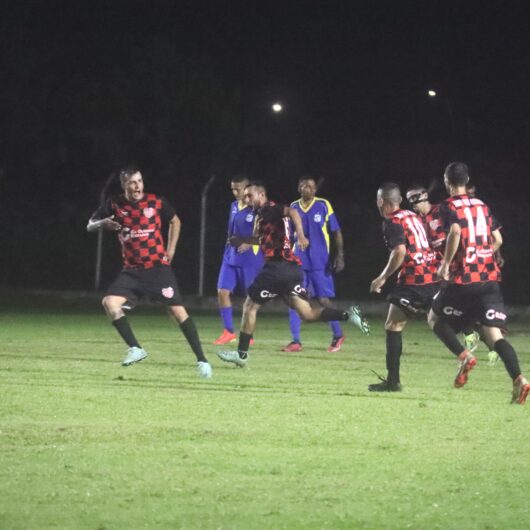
point(396, 321)
point(295, 324)
point(323, 288)
point(448, 316)
point(226, 283)
point(124, 288)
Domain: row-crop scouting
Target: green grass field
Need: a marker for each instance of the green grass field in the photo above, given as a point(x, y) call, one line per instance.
point(292, 441)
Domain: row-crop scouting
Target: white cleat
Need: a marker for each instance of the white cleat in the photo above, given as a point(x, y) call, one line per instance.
point(232, 357)
point(204, 370)
point(356, 317)
point(134, 355)
point(493, 358)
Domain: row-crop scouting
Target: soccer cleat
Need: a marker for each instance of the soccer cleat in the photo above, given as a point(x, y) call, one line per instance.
point(521, 390)
point(471, 341)
point(493, 358)
point(232, 357)
point(464, 368)
point(204, 369)
point(134, 355)
point(385, 386)
point(225, 337)
point(293, 346)
point(356, 317)
point(336, 344)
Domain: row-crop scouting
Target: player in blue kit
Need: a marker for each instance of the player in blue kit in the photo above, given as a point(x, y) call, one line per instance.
point(240, 264)
point(318, 220)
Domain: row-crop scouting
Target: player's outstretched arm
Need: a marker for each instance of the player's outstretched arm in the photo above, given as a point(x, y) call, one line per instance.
point(303, 242)
point(108, 223)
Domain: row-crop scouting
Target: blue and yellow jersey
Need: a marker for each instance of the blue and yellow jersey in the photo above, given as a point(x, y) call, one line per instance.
point(318, 220)
point(241, 223)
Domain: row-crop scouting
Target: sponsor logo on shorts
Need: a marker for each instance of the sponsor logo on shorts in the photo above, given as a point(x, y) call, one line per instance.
point(491, 314)
point(317, 218)
point(168, 292)
point(298, 289)
point(404, 301)
point(448, 310)
point(267, 294)
point(149, 212)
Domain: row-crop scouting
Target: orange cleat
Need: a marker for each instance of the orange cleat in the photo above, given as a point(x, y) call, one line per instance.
point(464, 368)
point(336, 344)
point(225, 337)
point(292, 347)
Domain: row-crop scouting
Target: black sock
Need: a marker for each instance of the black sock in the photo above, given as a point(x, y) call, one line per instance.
point(448, 336)
point(394, 346)
point(244, 342)
point(190, 332)
point(509, 357)
point(329, 315)
point(124, 329)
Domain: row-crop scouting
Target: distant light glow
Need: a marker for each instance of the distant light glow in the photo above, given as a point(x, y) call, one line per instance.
point(432, 93)
point(277, 107)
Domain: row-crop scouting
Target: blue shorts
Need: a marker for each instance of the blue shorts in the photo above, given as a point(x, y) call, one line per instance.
point(319, 283)
point(236, 279)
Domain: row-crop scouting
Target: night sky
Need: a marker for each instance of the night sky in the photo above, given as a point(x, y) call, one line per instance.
point(185, 90)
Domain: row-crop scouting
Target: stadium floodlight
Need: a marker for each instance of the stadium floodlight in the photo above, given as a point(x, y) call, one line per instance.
point(432, 93)
point(277, 107)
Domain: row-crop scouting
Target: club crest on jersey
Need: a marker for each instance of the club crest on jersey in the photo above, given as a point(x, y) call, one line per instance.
point(148, 212)
point(434, 224)
point(317, 218)
point(168, 292)
point(249, 218)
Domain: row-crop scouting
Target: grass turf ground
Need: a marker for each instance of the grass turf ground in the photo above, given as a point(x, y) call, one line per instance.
point(292, 441)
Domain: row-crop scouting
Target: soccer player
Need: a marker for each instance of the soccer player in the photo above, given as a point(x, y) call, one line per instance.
point(137, 218)
point(318, 220)
point(412, 256)
point(281, 274)
point(473, 292)
point(240, 265)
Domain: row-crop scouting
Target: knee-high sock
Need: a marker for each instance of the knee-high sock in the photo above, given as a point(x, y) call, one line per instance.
point(244, 343)
point(448, 336)
point(226, 317)
point(294, 324)
point(124, 329)
point(394, 346)
point(190, 332)
point(329, 314)
point(509, 357)
point(336, 329)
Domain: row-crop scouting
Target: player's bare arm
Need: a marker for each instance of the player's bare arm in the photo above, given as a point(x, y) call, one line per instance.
point(106, 224)
point(338, 264)
point(395, 260)
point(303, 242)
point(497, 240)
point(173, 237)
point(452, 242)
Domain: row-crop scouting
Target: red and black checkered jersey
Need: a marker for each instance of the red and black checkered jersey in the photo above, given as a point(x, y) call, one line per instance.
point(434, 228)
point(474, 261)
point(142, 243)
point(273, 231)
point(404, 227)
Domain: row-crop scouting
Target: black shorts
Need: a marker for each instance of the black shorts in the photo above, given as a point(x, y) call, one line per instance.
point(464, 305)
point(413, 299)
point(277, 278)
point(158, 283)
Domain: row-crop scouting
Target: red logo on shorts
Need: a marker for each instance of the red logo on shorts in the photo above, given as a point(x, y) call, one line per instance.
point(149, 212)
point(168, 292)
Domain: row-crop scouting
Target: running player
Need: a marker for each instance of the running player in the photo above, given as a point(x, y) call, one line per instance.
point(412, 256)
point(137, 218)
point(240, 265)
point(473, 292)
point(281, 274)
point(318, 220)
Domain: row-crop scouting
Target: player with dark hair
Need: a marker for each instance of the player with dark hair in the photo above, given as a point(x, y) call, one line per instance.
point(318, 220)
point(281, 274)
point(240, 264)
point(473, 293)
point(412, 256)
point(137, 217)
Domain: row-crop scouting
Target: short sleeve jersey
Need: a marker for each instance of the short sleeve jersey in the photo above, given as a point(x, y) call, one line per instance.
point(474, 261)
point(142, 243)
point(241, 223)
point(273, 231)
point(318, 220)
point(404, 227)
